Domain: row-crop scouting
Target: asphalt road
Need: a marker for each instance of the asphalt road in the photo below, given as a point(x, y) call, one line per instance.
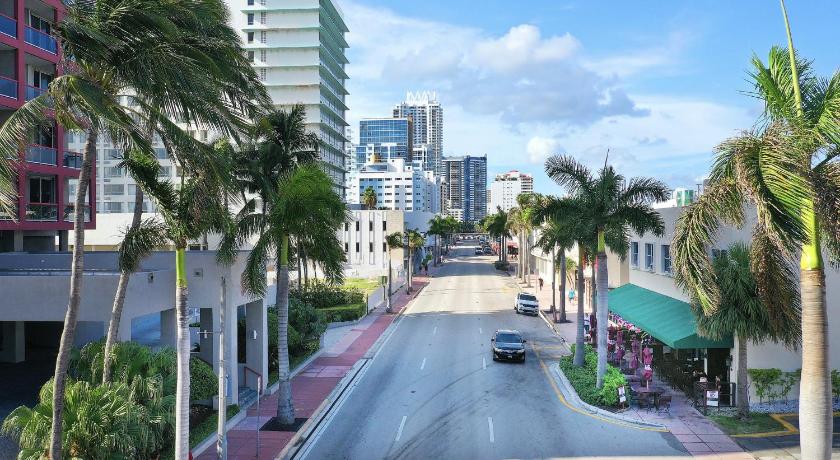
point(434, 392)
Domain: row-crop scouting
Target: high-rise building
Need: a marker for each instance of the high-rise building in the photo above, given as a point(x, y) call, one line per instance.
point(426, 114)
point(398, 186)
point(382, 139)
point(465, 187)
point(298, 48)
point(48, 170)
point(506, 187)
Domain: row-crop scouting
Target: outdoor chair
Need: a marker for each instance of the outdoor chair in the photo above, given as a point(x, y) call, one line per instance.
point(644, 400)
point(664, 404)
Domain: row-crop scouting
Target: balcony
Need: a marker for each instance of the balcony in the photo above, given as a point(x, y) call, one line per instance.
point(70, 216)
point(32, 92)
point(8, 26)
point(8, 87)
point(42, 212)
point(41, 154)
point(41, 40)
point(73, 160)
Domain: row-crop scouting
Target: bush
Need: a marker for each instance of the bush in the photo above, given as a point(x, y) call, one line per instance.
point(764, 380)
point(342, 313)
point(203, 381)
point(583, 379)
point(835, 383)
point(322, 295)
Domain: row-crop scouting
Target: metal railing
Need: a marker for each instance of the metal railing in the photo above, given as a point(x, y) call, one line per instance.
point(42, 212)
point(8, 87)
point(33, 91)
point(73, 160)
point(70, 216)
point(8, 26)
point(37, 38)
point(41, 154)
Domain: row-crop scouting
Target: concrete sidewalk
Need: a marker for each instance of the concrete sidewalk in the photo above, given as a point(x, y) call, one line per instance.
point(699, 435)
point(313, 384)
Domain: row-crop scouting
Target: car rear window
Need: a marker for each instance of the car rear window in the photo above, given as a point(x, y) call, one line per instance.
point(508, 338)
point(527, 297)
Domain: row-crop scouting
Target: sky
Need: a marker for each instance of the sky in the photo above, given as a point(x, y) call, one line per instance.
point(658, 84)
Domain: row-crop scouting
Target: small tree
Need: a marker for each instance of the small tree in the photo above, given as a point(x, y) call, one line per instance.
point(369, 198)
point(393, 241)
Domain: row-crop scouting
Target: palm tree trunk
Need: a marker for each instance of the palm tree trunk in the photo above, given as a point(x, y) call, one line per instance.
point(119, 296)
point(182, 388)
point(221, 438)
point(409, 270)
point(815, 408)
point(285, 406)
point(603, 312)
point(527, 259)
point(580, 296)
point(593, 291)
point(743, 393)
point(388, 297)
point(71, 317)
point(563, 286)
point(553, 284)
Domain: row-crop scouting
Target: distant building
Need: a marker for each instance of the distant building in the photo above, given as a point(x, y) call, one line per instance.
point(426, 114)
point(398, 186)
point(506, 187)
point(298, 49)
point(383, 139)
point(465, 187)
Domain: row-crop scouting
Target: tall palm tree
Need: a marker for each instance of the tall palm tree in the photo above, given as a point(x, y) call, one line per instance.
point(369, 198)
point(787, 170)
point(557, 235)
point(742, 312)
point(302, 205)
point(413, 241)
point(392, 241)
point(611, 206)
point(497, 226)
point(437, 227)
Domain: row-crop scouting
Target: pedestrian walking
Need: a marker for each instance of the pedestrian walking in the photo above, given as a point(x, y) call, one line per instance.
point(541, 283)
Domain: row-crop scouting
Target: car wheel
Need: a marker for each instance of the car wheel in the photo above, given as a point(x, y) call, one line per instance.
point(495, 358)
point(523, 359)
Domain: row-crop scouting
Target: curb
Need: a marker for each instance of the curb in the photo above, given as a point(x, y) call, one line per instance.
point(572, 398)
point(210, 441)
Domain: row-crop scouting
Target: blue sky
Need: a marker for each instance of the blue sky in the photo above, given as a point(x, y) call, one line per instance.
point(658, 83)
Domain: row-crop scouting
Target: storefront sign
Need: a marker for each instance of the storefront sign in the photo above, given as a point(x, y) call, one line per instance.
point(712, 398)
point(622, 396)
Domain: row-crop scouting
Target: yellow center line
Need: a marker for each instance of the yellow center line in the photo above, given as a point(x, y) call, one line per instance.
point(579, 411)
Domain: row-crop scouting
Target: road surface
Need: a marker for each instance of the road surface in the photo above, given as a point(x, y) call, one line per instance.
point(434, 392)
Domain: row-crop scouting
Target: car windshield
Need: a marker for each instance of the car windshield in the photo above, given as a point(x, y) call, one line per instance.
point(508, 338)
point(527, 297)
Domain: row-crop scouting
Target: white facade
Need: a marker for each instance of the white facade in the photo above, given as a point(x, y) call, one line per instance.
point(649, 269)
point(398, 186)
point(298, 49)
point(506, 187)
point(426, 114)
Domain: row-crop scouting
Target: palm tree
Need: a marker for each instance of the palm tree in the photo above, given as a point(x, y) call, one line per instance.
point(413, 241)
point(610, 206)
point(302, 205)
point(743, 313)
point(557, 235)
point(393, 241)
point(437, 227)
point(497, 226)
point(787, 170)
point(369, 198)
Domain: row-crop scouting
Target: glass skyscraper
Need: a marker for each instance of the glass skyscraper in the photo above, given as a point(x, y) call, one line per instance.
point(384, 139)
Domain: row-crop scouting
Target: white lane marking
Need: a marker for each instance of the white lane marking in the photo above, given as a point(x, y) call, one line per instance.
point(484, 363)
point(479, 331)
point(490, 424)
point(434, 331)
point(423, 364)
point(399, 431)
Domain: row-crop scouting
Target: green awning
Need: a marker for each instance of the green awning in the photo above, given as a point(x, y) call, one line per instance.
point(667, 319)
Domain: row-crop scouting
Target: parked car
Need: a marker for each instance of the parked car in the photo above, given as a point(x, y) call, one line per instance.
point(508, 344)
point(526, 303)
point(479, 252)
point(488, 251)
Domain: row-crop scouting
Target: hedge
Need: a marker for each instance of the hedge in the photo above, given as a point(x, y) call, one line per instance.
point(583, 379)
point(350, 312)
point(322, 295)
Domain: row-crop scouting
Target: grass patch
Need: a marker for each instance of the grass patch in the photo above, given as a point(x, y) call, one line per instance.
point(203, 423)
point(756, 423)
point(366, 285)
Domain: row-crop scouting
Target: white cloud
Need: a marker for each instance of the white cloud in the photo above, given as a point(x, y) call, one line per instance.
point(539, 148)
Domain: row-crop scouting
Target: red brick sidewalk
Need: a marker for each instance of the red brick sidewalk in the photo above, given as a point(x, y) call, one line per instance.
point(312, 385)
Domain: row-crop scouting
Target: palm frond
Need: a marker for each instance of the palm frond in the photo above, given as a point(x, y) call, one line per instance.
point(826, 180)
point(139, 242)
point(777, 287)
point(569, 173)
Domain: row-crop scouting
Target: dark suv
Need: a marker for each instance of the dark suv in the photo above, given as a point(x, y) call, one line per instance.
point(508, 344)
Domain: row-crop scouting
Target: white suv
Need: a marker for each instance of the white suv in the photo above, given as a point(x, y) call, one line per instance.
point(526, 303)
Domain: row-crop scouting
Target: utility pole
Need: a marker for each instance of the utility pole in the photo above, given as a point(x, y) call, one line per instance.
point(221, 440)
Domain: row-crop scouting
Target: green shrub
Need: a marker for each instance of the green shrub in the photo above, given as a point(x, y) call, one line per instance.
point(203, 381)
point(764, 380)
point(583, 379)
point(500, 265)
point(322, 295)
point(305, 319)
point(342, 313)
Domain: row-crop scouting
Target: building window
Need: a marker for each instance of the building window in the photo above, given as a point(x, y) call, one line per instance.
point(114, 189)
point(357, 246)
point(250, 56)
point(370, 226)
point(250, 37)
point(384, 225)
point(250, 19)
point(384, 247)
point(262, 37)
point(370, 247)
point(346, 247)
point(718, 253)
point(113, 171)
point(634, 254)
point(346, 226)
point(666, 258)
point(263, 74)
point(113, 207)
point(262, 56)
point(358, 227)
point(262, 18)
point(649, 256)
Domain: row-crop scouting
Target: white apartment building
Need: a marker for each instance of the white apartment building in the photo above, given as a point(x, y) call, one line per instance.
point(398, 186)
point(426, 114)
point(298, 49)
point(506, 187)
